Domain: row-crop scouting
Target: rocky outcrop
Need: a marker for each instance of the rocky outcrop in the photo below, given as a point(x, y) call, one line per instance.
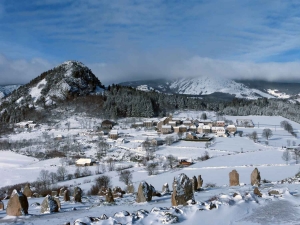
point(17, 204)
point(1, 206)
point(62, 191)
point(27, 191)
point(257, 192)
point(77, 194)
point(144, 193)
point(49, 205)
point(199, 182)
point(66, 195)
point(182, 190)
point(234, 178)
point(255, 177)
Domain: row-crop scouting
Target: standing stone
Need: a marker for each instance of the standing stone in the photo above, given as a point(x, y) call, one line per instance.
point(58, 202)
point(234, 179)
point(165, 189)
point(17, 204)
point(257, 192)
point(66, 195)
point(130, 188)
point(77, 194)
point(199, 182)
point(1, 206)
point(182, 190)
point(62, 191)
point(144, 193)
point(154, 192)
point(255, 177)
point(49, 205)
point(27, 191)
point(109, 196)
point(54, 193)
point(194, 183)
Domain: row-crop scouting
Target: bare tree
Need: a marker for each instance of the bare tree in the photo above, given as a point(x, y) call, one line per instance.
point(62, 173)
point(53, 177)
point(125, 176)
point(171, 161)
point(203, 116)
point(296, 154)
point(111, 164)
point(267, 133)
point(103, 181)
point(169, 140)
point(253, 136)
point(151, 168)
point(102, 148)
point(286, 156)
point(44, 178)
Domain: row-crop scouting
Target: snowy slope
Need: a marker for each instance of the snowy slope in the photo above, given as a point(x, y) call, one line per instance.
point(206, 85)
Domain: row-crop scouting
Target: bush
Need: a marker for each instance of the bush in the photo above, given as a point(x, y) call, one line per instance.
point(94, 190)
point(210, 185)
point(103, 181)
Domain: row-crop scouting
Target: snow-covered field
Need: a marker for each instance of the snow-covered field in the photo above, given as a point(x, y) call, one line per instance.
point(226, 154)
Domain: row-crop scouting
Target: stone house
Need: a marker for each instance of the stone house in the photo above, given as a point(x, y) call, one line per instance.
point(162, 122)
point(85, 162)
point(220, 123)
point(206, 129)
point(166, 129)
point(231, 128)
point(148, 123)
point(191, 136)
point(157, 141)
point(193, 128)
point(187, 123)
point(180, 129)
point(114, 134)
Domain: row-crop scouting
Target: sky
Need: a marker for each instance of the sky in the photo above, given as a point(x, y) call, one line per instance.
point(124, 40)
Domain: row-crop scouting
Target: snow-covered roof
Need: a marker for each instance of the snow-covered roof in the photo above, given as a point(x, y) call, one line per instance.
point(206, 127)
point(166, 126)
point(83, 161)
point(231, 126)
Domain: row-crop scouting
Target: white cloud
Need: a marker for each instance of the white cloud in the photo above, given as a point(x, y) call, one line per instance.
point(21, 71)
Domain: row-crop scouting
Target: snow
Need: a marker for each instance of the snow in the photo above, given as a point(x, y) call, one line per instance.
point(277, 94)
point(234, 152)
point(35, 92)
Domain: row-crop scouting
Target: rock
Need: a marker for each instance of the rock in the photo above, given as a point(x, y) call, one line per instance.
point(57, 202)
point(144, 193)
point(77, 194)
point(62, 191)
point(212, 206)
point(35, 204)
point(67, 223)
point(1, 206)
point(199, 182)
point(49, 205)
point(109, 196)
point(66, 195)
point(27, 191)
point(274, 192)
point(54, 193)
point(194, 183)
point(235, 194)
point(169, 218)
point(165, 189)
point(17, 204)
point(103, 217)
point(122, 214)
point(130, 188)
point(234, 179)
point(257, 192)
point(154, 192)
point(255, 177)
point(35, 195)
point(182, 190)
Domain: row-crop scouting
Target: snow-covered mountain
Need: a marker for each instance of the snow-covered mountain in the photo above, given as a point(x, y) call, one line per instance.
point(71, 78)
point(202, 86)
point(7, 89)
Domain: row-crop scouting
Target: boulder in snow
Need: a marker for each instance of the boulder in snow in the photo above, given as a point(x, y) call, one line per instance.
point(255, 177)
point(234, 178)
point(17, 204)
point(144, 193)
point(27, 191)
point(49, 205)
point(182, 190)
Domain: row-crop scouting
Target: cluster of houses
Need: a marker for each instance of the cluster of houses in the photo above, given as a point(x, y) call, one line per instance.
point(26, 124)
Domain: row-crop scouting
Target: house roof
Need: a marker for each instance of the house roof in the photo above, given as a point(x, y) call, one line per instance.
point(206, 127)
point(231, 126)
point(166, 126)
point(83, 161)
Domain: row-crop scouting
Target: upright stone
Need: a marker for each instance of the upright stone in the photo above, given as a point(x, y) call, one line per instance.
point(234, 179)
point(144, 193)
point(109, 196)
point(17, 204)
point(77, 194)
point(130, 188)
point(66, 195)
point(182, 190)
point(49, 205)
point(57, 202)
point(165, 189)
point(195, 183)
point(257, 192)
point(199, 182)
point(1, 206)
point(255, 177)
point(27, 191)
point(62, 191)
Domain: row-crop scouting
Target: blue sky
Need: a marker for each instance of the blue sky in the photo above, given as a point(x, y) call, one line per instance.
point(133, 39)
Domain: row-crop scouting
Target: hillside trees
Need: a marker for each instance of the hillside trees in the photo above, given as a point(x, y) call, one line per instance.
point(267, 133)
